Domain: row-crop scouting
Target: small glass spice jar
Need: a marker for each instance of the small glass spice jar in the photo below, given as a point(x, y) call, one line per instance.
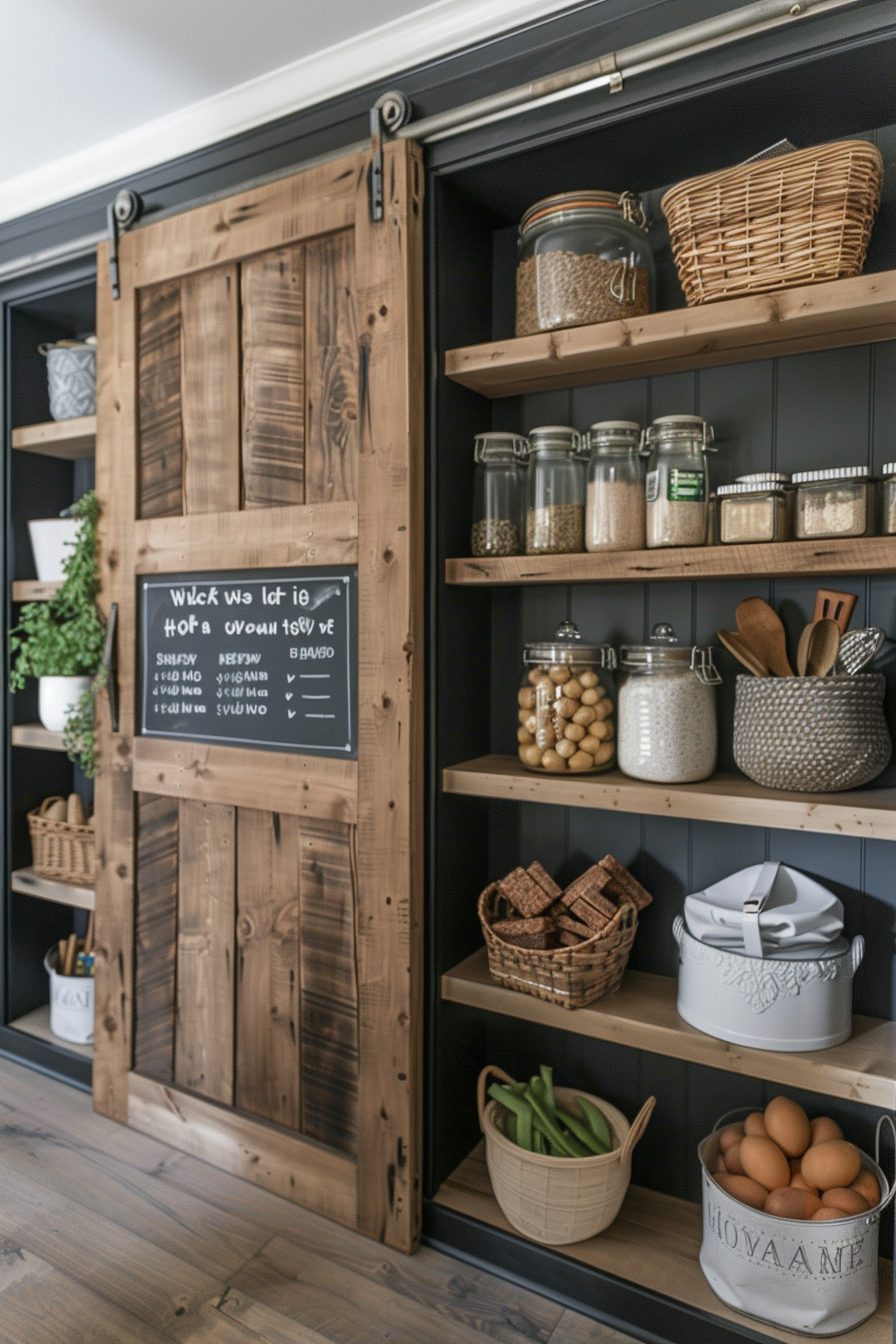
point(615, 507)
point(677, 480)
point(755, 508)
point(839, 502)
point(565, 705)
point(888, 500)
point(555, 492)
point(584, 257)
point(667, 710)
point(498, 494)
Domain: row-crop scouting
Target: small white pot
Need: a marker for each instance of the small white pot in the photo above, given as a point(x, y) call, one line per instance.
point(52, 540)
point(71, 1003)
point(56, 696)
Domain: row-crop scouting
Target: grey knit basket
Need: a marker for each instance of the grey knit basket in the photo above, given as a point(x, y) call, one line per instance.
point(811, 734)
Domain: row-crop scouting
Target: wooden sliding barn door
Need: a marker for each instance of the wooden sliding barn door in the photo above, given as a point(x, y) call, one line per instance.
point(258, 908)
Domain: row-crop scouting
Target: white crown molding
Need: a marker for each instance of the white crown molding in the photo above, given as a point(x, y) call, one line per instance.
point(424, 35)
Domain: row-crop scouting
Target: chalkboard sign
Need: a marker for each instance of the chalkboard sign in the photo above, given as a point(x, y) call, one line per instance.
point(264, 659)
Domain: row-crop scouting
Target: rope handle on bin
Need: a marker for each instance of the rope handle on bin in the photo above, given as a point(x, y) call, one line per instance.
point(638, 1126)
point(482, 1083)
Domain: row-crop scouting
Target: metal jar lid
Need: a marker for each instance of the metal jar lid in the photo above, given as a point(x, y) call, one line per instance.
point(685, 426)
point(555, 438)
point(567, 647)
point(889, 469)
point(758, 485)
point(627, 205)
point(831, 474)
point(665, 654)
point(613, 434)
point(781, 476)
point(498, 446)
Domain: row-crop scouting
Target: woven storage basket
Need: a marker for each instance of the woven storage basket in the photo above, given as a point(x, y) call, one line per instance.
point(61, 850)
point(570, 976)
point(795, 220)
point(811, 734)
point(559, 1200)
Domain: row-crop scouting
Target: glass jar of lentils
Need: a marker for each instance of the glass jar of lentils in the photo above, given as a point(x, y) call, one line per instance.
point(555, 492)
point(584, 257)
point(838, 502)
point(565, 705)
point(888, 500)
point(677, 480)
point(667, 710)
point(614, 512)
point(498, 494)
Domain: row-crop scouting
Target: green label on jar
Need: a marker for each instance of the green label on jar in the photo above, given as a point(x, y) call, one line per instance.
point(687, 485)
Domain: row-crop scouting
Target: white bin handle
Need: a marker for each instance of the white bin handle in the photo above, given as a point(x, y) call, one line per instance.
point(884, 1120)
point(678, 930)
point(858, 952)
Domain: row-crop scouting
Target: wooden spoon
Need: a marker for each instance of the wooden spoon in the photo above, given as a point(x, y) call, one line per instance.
point(760, 627)
point(802, 649)
point(824, 645)
point(743, 653)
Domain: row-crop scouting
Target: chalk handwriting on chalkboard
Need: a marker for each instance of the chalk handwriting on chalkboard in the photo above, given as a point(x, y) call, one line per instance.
point(265, 659)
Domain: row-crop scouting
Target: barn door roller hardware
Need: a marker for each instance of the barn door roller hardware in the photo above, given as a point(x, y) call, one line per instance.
point(610, 72)
point(388, 113)
point(121, 213)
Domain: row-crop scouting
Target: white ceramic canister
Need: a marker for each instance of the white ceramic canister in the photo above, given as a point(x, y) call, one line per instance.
point(814, 1278)
point(71, 1003)
point(52, 542)
point(56, 696)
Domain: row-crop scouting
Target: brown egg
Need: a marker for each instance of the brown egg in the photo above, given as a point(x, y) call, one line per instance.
point(791, 1203)
point(733, 1162)
point(763, 1161)
point(788, 1124)
point(823, 1129)
point(720, 1169)
point(867, 1184)
point(755, 1124)
point(824, 1215)
point(729, 1135)
point(742, 1188)
point(850, 1202)
point(834, 1163)
point(799, 1182)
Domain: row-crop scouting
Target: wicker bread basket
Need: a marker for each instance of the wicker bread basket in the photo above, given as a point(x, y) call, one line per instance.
point(60, 849)
point(798, 219)
point(570, 976)
point(559, 1200)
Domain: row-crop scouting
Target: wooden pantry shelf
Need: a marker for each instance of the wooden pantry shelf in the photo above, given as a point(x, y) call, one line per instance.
point(767, 560)
point(32, 590)
point(870, 813)
point(29, 883)
point(37, 1023)
point(789, 322)
point(36, 735)
point(69, 439)
point(643, 1015)
point(654, 1242)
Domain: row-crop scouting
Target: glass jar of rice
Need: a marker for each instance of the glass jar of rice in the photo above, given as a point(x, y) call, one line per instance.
point(667, 710)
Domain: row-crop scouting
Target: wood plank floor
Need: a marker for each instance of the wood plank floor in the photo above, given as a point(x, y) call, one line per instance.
point(108, 1237)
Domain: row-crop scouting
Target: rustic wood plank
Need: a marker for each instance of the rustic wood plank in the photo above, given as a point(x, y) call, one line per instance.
point(203, 1054)
point(37, 1023)
point(31, 883)
point(776, 559)
point(32, 590)
point(267, 995)
point(654, 1242)
point(331, 370)
point(792, 321)
point(44, 1306)
point(265, 1323)
point(156, 935)
point(389, 267)
point(734, 799)
point(302, 786)
point(286, 1164)
point(329, 985)
point(36, 735)
point(210, 398)
point(643, 1016)
point(575, 1329)
point(114, 796)
point(320, 534)
point(273, 300)
point(71, 440)
point(160, 436)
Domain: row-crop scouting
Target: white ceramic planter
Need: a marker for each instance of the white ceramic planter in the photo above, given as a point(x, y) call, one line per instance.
point(52, 540)
point(56, 696)
point(71, 1003)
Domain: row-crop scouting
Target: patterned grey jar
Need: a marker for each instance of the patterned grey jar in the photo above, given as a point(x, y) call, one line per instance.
point(71, 376)
point(811, 734)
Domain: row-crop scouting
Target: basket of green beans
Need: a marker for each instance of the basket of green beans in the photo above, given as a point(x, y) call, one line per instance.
point(559, 1160)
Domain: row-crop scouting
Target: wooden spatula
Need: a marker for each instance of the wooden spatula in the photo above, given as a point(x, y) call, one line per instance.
point(832, 606)
point(742, 652)
point(760, 627)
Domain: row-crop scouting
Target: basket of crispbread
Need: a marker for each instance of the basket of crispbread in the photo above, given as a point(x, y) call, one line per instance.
point(568, 946)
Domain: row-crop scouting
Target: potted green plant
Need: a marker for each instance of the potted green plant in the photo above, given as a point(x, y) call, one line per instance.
point(61, 643)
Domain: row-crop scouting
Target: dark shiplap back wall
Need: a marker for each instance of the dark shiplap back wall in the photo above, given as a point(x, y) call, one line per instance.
point(835, 408)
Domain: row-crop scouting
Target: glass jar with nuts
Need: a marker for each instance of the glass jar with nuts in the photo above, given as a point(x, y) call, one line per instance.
point(565, 705)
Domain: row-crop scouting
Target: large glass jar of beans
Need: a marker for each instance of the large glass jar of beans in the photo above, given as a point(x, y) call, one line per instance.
point(678, 480)
point(565, 705)
point(498, 494)
point(614, 512)
point(584, 257)
point(667, 710)
point(555, 492)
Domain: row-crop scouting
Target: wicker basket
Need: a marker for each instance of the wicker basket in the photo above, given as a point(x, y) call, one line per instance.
point(62, 850)
point(795, 220)
point(811, 734)
point(570, 976)
point(559, 1200)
